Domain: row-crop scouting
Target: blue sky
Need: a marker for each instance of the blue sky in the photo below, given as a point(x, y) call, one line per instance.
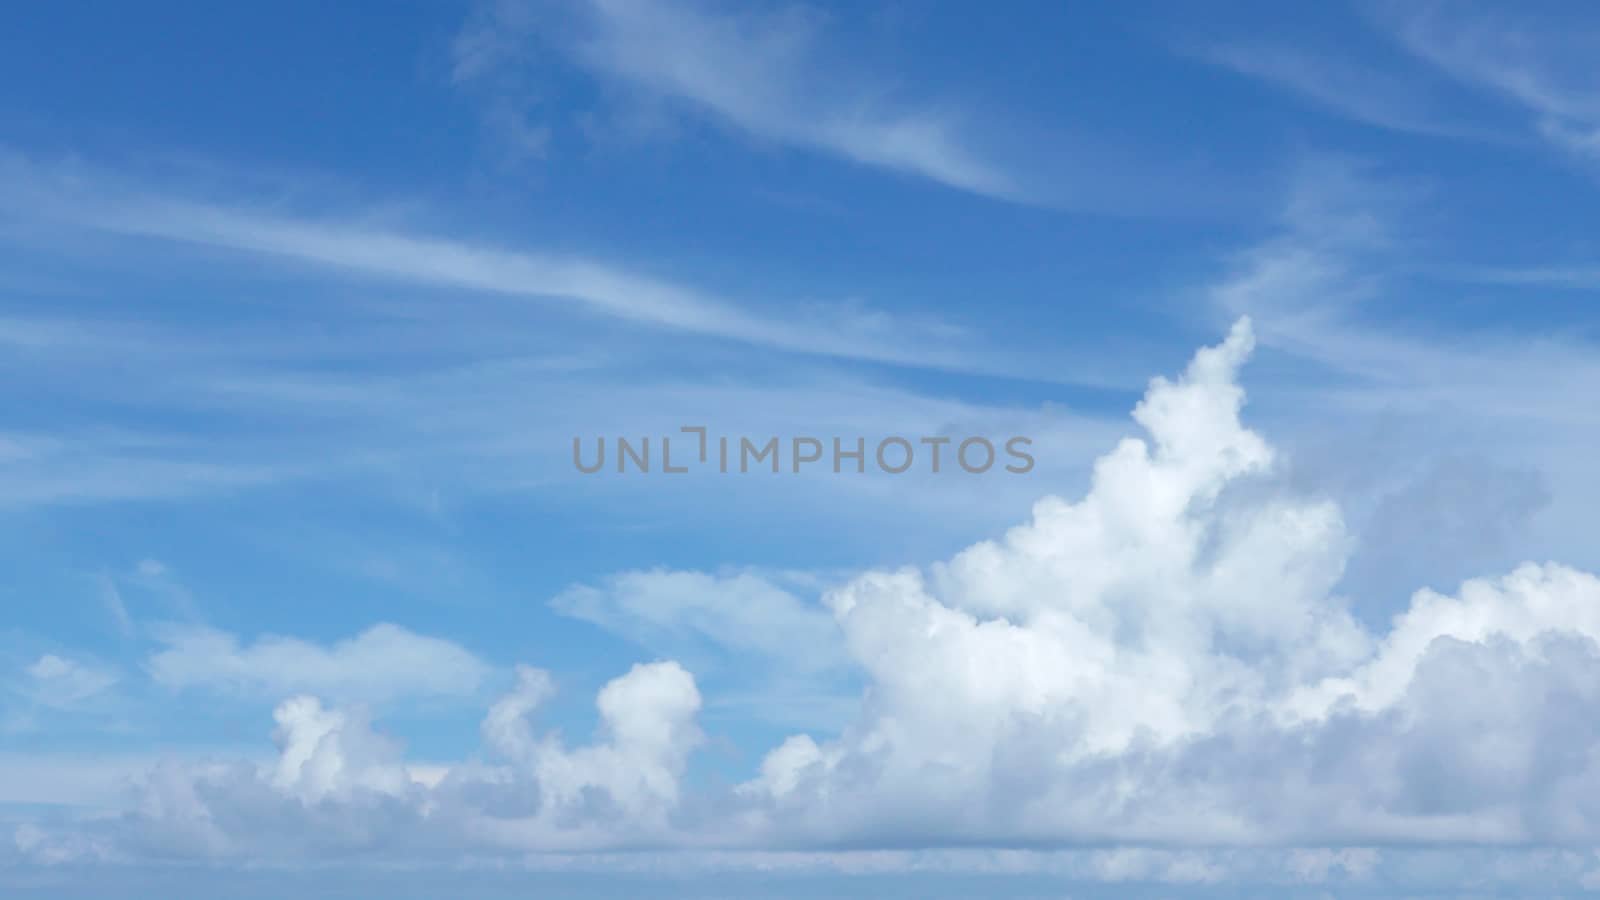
point(302, 307)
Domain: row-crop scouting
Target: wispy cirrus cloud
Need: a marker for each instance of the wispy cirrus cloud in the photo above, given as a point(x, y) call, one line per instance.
point(1457, 442)
point(1343, 245)
point(1355, 90)
point(1543, 65)
point(749, 612)
point(83, 198)
point(759, 73)
point(402, 355)
point(1470, 71)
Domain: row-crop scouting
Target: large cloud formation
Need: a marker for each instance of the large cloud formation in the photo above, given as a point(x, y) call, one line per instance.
point(1164, 662)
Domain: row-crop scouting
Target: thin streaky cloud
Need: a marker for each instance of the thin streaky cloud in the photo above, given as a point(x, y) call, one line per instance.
point(1573, 277)
point(845, 331)
point(384, 662)
point(1360, 93)
point(1544, 70)
point(1336, 256)
point(761, 75)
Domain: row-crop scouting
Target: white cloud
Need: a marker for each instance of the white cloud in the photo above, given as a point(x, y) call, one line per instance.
point(760, 74)
point(62, 682)
point(383, 663)
point(752, 614)
point(363, 243)
point(1455, 449)
point(1357, 91)
point(331, 752)
point(52, 684)
point(1542, 65)
point(69, 468)
point(460, 381)
point(338, 785)
point(1482, 68)
point(1110, 607)
point(630, 776)
point(767, 650)
point(1165, 661)
point(1341, 249)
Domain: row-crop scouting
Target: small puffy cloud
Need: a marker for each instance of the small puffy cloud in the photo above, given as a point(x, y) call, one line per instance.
point(55, 681)
point(766, 649)
point(52, 684)
point(383, 663)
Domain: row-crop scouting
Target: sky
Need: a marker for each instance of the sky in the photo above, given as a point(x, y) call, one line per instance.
point(306, 308)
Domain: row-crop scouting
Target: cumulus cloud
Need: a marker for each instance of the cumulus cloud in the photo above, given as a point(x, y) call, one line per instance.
point(339, 786)
point(1166, 661)
point(629, 776)
point(325, 752)
point(1144, 611)
point(385, 662)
